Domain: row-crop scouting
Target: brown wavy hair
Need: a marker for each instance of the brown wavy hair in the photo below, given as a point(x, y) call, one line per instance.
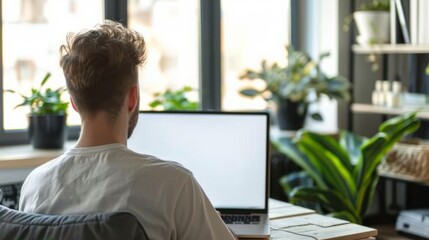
point(100, 65)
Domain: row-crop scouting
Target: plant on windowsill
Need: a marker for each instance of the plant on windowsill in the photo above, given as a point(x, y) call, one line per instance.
point(174, 100)
point(294, 86)
point(344, 170)
point(47, 118)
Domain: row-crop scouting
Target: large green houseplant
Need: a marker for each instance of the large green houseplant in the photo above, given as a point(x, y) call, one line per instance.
point(294, 86)
point(47, 118)
point(344, 170)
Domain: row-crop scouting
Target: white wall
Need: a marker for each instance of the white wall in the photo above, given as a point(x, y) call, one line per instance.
point(14, 175)
point(322, 36)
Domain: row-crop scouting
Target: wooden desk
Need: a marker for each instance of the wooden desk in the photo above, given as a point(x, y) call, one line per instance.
point(293, 222)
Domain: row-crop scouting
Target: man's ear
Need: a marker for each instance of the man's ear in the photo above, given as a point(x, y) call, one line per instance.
point(133, 98)
point(73, 105)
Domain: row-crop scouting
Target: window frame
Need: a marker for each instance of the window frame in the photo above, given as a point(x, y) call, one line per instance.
point(210, 54)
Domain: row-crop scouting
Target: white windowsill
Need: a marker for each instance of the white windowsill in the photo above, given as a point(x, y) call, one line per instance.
point(25, 156)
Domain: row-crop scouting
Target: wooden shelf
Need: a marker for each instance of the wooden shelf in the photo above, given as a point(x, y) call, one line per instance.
point(405, 178)
point(25, 156)
point(390, 49)
point(369, 108)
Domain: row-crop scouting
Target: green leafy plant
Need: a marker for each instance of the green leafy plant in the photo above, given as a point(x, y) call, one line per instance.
point(375, 5)
point(296, 81)
point(427, 70)
point(344, 171)
point(44, 102)
point(171, 100)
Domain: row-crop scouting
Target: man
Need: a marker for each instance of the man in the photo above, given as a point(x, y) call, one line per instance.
point(101, 174)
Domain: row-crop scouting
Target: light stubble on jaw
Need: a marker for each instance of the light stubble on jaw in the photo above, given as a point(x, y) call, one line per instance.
point(133, 120)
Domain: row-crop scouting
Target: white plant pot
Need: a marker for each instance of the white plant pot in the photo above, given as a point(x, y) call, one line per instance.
point(373, 27)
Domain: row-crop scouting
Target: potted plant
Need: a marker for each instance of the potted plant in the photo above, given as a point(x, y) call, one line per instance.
point(343, 170)
point(47, 118)
point(372, 21)
point(294, 86)
point(174, 100)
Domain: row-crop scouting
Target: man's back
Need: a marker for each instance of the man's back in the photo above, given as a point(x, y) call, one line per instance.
point(164, 196)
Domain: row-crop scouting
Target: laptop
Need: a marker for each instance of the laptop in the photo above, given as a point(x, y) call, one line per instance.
point(228, 153)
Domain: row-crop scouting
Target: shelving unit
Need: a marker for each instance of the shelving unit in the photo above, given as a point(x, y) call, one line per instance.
point(390, 49)
point(415, 54)
point(396, 62)
point(387, 49)
point(369, 108)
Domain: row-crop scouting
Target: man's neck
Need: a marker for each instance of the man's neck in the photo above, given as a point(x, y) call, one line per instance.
point(98, 130)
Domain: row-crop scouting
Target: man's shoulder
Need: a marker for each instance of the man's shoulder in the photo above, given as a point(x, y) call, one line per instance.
point(45, 167)
point(153, 163)
point(162, 165)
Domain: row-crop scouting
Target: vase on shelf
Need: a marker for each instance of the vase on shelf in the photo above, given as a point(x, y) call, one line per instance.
point(373, 27)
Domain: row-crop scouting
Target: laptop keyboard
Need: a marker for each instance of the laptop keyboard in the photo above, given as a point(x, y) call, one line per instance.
point(240, 219)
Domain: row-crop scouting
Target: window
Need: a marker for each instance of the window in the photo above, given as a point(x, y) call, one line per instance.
point(32, 33)
point(251, 31)
point(170, 29)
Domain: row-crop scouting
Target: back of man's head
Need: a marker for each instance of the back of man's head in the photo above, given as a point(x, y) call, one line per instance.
point(100, 65)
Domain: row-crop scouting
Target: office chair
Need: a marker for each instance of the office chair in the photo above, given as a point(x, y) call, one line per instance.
point(16, 225)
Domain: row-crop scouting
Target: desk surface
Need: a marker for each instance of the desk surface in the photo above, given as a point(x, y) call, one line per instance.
point(293, 222)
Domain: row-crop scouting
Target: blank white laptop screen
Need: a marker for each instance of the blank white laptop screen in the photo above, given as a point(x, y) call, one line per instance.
point(226, 152)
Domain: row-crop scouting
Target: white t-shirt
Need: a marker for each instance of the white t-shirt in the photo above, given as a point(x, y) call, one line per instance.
point(163, 195)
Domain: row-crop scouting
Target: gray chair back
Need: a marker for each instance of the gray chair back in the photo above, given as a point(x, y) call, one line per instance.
point(16, 225)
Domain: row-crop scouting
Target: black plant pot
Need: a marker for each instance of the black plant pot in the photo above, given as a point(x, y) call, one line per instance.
point(47, 131)
point(291, 115)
